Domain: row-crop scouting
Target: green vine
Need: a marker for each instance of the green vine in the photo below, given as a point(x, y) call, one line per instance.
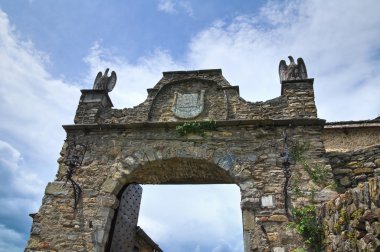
point(295, 184)
point(299, 250)
point(306, 224)
point(298, 151)
point(317, 173)
point(305, 220)
point(343, 221)
point(195, 127)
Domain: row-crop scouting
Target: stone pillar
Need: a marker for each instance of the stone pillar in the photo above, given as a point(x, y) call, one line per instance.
point(300, 96)
point(249, 225)
point(91, 103)
point(264, 226)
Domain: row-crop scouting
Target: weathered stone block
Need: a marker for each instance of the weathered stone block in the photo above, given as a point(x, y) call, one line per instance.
point(369, 165)
point(249, 222)
point(377, 162)
point(278, 218)
point(57, 188)
point(36, 229)
point(273, 237)
point(110, 186)
point(341, 171)
point(250, 203)
point(360, 178)
point(72, 237)
point(325, 195)
point(108, 201)
point(363, 170)
point(227, 162)
point(345, 181)
point(278, 249)
point(376, 229)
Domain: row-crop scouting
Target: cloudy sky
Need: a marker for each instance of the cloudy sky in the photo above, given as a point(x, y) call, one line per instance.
point(49, 50)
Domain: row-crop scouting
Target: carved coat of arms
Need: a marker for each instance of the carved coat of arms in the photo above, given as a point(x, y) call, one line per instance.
point(188, 105)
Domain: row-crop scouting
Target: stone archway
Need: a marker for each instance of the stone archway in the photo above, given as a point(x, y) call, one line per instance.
point(108, 148)
point(177, 171)
point(180, 171)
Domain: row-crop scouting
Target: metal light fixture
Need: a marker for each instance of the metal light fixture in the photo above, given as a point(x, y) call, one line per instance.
point(74, 160)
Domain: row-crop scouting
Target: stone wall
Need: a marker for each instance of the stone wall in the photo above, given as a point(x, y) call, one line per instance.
point(350, 136)
point(352, 220)
point(350, 168)
point(249, 155)
point(144, 243)
point(222, 101)
point(92, 104)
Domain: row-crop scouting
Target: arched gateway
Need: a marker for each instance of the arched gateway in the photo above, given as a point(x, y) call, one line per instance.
point(225, 140)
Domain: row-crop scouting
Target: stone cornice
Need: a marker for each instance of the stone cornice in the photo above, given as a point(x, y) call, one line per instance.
point(218, 71)
point(262, 122)
point(352, 124)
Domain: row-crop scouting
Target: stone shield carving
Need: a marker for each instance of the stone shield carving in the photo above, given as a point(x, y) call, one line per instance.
point(188, 105)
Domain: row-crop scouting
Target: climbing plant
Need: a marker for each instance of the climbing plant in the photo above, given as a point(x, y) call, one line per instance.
point(197, 127)
point(317, 173)
point(304, 218)
point(306, 224)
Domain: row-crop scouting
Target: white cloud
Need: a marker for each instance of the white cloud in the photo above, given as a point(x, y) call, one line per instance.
point(174, 7)
point(33, 104)
point(342, 63)
point(132, 79)
point(209, 216)
point(9, 155)
point(10, 240)
point(339, 44)
point(186, 7)
point(33, 107)
point(166, 6)
point(197, 249)
point(225, 246)
point(14, 176)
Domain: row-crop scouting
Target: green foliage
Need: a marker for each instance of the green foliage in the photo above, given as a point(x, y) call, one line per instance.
point(298, 150)
point(318, 174)
point(299, 250)
point(356, 214)
point(306, 224)
point(337, 186)
point(343, 221)
point(305, 221)
point(352, 238)
point(195, 127)
point(313, 192)
point(295, 184)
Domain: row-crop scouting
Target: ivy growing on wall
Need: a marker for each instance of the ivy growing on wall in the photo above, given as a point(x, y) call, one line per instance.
point(317, 173)
point(305, 220)
point(197, 127)
point(306, 224)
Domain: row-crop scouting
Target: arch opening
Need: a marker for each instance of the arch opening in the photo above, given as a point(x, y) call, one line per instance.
point(179, 171)
point(187, 205)
point(193, 217)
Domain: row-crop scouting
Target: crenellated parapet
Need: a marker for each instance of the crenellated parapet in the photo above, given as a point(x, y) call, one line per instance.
point(198, 96)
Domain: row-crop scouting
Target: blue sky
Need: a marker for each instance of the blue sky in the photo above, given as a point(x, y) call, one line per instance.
point(49, 50)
